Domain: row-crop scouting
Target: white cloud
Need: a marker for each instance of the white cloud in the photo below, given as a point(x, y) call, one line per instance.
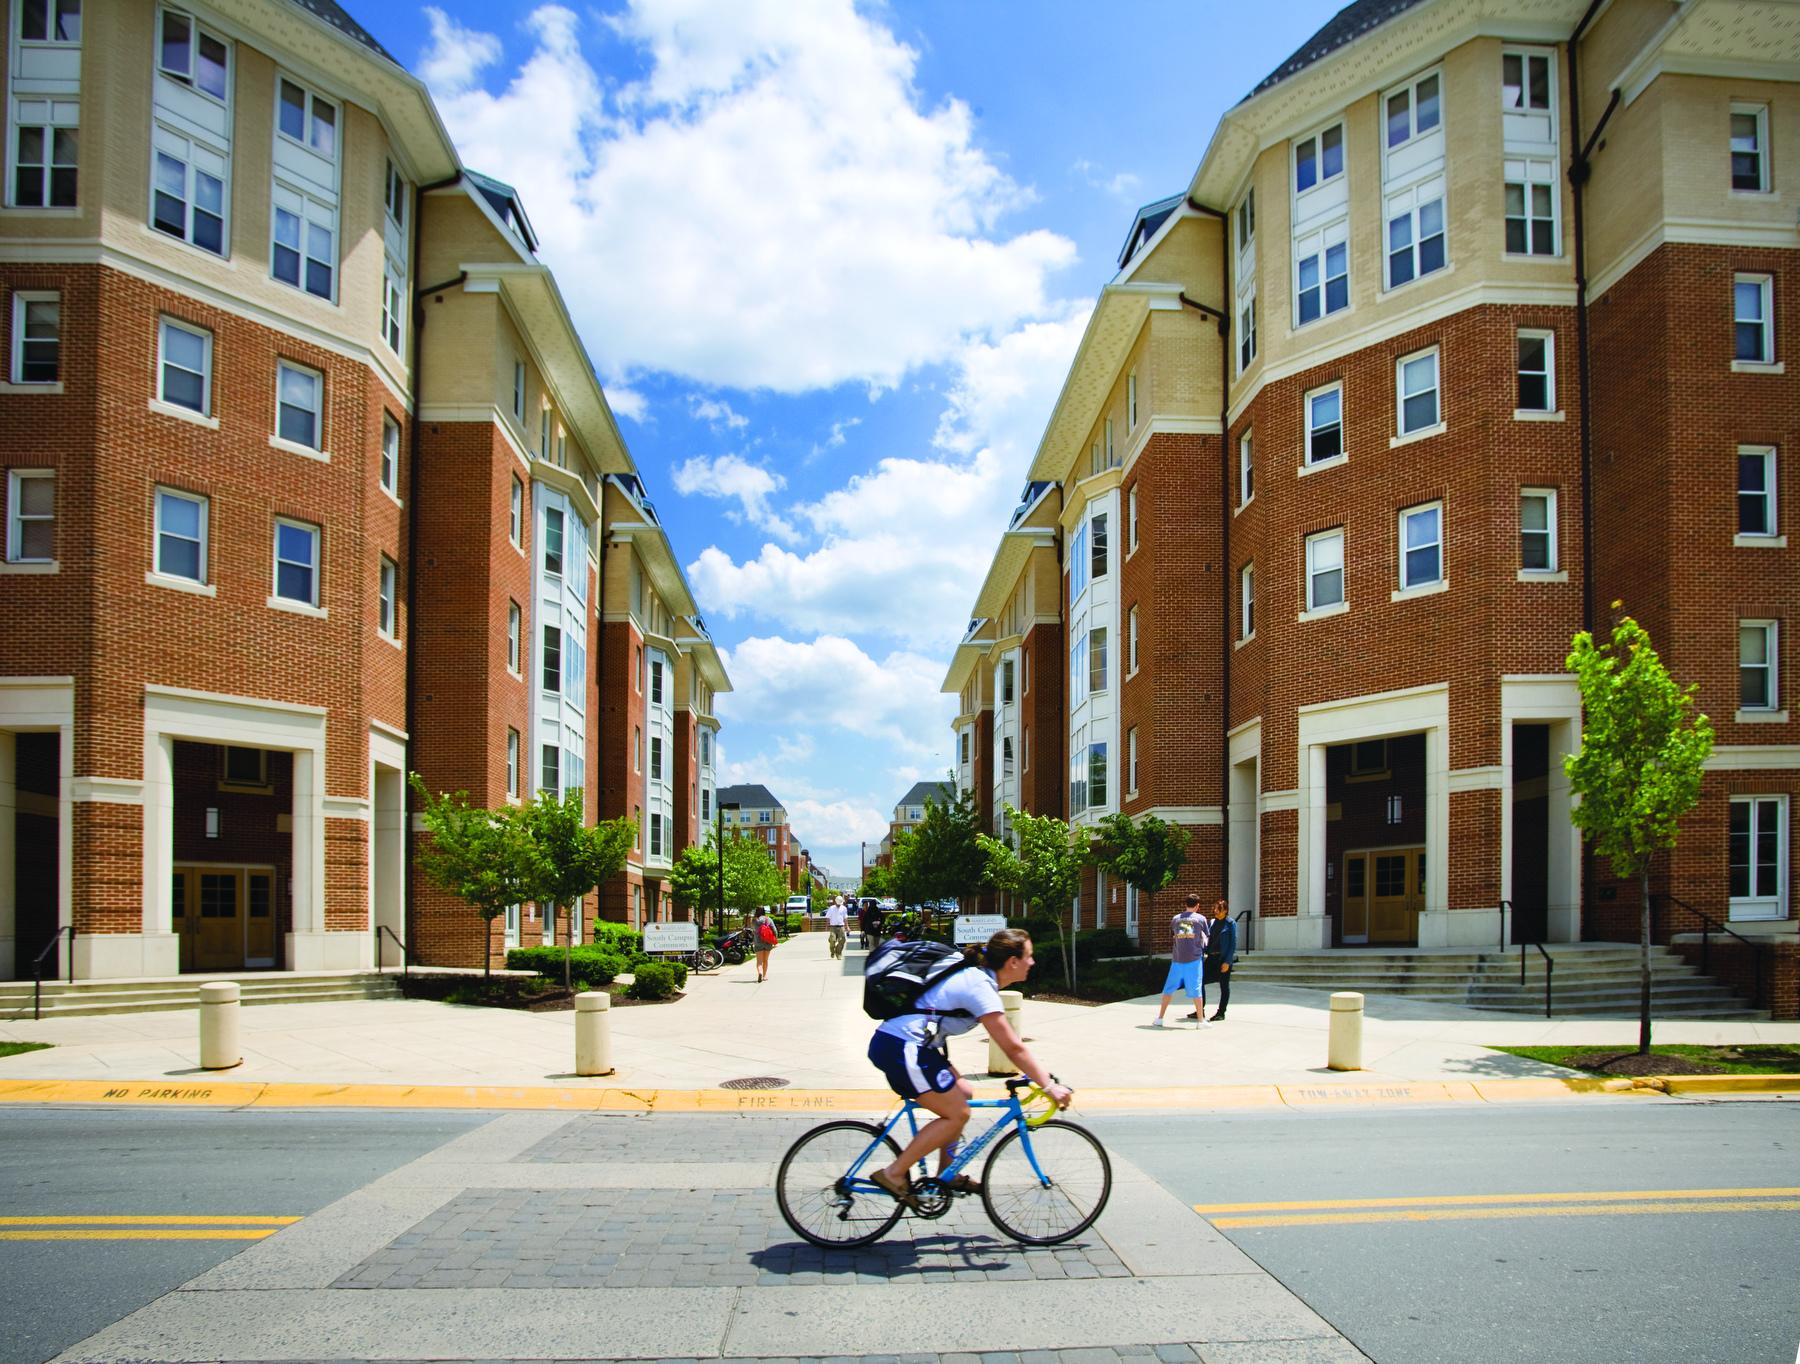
point(731, 477)
point(1122, 185)
point(837, 686)
point(839, 434)
point(827, 827)
point(913, 534)
point(711, 218)
point(627, 402)
point(716, 414)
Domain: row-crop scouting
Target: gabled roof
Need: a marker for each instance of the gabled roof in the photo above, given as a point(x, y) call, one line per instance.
point(335, 15)
point(505, 201)
point(749, 796)
point(1342, 29)
point(937, 790)
point(1144, 225)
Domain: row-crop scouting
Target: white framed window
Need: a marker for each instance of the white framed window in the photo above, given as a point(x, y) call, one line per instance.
point(296, 561)
point(1110, 456)
point(387, 618)
point(1006, 682)
point(1756, 491)
point(1131, 758)
point(394, 195)
point(1245, 217)
point(1758, 684)
point(1131, 401)
point(46, 153)
point(1096, 774)
point(1537, 530)
point(1246, 329)
point(516, 513)
point(1421, 545)
point(307, 118)
point(1322, 275)
point(552, 658)
point(1530, 204)
point(1752, 318)
point(1246, 468)
point(390, 453)
point(1006, 757)
point(550, 763)
point(1131, 519)
point(393, 306)
point(518, 391)
point(1319, 158)
point(36, 337)
point(514, 623)
point(303, 241)
point(184, 366)
point(1098, 543)
point(545, 449)
point(31, 516)
point(181, 535)
point(1536, 351)
point(553, 541)
point(1247, 601)
point(299, 405)
point(1131, 620)
point(1415, 233)
point(1750, 148)
point(637, 748)
point(512, 770)
point(1415, 108)
point(50, 21)
point(656, 757)
point(1325, 423)
point(656, 682)
point(187, 187)
point(1757, 880)
point(1416, 387)
point(1325, 569)
point(1525, 82)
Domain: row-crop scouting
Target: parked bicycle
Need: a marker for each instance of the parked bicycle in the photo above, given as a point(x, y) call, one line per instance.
point(703, 959)
point(1045, 1180)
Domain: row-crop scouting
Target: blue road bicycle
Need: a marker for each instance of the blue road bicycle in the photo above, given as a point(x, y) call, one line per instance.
point(1045, 1181)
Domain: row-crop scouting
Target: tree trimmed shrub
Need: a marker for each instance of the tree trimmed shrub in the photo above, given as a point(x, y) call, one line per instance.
point(589, 965)
point(655, 980)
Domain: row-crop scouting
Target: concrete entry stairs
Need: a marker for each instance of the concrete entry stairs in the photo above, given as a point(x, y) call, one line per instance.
point(1591, 980)
point(149, 994)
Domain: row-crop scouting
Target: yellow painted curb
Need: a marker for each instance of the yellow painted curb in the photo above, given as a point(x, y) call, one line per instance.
point(1377, 1092)
point(1730, 1084)
point(202, 1093)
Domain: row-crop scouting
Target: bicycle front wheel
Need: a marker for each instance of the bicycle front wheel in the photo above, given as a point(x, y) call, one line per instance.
point(823, 1186)
point(1057, 1198)
point(709, 959)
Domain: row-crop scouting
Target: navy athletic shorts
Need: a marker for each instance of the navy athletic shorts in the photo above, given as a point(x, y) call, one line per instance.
point(912, 1068)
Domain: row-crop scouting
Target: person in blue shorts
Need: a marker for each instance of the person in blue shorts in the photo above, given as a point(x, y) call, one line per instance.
point(910, 1052)
point(1187, 952)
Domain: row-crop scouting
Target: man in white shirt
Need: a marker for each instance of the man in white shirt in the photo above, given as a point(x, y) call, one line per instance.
point(835, 915)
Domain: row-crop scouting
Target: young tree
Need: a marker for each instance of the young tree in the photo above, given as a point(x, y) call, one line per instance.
point(570, 858)
point(878, 881)
point(1147, 855)
point(1638, 770)
point(1044, 871)
point(482, 856)
point(950, 863)
point(908, 873)
point(751, 877)
point(694, 879)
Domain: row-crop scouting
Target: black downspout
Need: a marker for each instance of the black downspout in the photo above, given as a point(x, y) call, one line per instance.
point(412, 536)
point(1578, 174)
point(1224, 321)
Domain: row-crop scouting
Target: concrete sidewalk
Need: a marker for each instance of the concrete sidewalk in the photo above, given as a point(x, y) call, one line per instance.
point(806, 1026)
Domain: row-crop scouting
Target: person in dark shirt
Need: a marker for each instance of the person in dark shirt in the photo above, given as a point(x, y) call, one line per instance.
point(1221, 956)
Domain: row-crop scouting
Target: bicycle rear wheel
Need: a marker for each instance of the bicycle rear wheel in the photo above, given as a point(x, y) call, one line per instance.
point(709, 959)
point(1075, 1183)
point(815, 1191)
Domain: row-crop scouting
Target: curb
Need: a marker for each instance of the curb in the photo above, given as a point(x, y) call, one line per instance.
point(615, 1099)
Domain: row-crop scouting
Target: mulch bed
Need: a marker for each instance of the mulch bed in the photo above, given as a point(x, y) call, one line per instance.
point(512, 993)
point(1631, 1063)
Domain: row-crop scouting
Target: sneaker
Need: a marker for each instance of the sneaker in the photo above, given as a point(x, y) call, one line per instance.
point(1156, 1022)
point(1205, 1023)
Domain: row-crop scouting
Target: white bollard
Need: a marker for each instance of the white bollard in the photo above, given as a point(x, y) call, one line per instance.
point(220, 1047)
point(593, 1033)
point(1345, 1048)
point(1014, 1004)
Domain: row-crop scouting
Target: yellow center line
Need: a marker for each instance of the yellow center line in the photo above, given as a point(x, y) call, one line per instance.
point(1441, 1200)
point(1460, 1214)
point(141, 1219)
point(141, 1234)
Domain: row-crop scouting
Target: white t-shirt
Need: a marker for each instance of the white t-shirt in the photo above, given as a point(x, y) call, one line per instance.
point(973, 988)
point(834, 915)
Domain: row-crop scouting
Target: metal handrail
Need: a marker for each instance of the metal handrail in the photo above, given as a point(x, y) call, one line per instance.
point(37, 968)
point(405, 952)
point(1549, 971)
point(1504, 906)
point(1243, 932)
point(1707, 924)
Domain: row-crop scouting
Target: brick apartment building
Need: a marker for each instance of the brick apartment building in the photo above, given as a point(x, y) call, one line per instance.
point(1467, 325)
point(750, 810)
point(309, 484)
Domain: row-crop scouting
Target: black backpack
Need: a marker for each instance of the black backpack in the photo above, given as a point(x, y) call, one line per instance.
point(897, 973)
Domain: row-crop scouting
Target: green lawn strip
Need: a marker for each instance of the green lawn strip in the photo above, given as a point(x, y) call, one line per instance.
point(14, 1048)
point(1675, 1059)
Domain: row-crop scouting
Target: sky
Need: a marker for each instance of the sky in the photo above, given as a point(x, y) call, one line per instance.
point(831, 262)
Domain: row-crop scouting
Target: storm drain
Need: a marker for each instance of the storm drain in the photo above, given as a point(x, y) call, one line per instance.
point(756, 1082)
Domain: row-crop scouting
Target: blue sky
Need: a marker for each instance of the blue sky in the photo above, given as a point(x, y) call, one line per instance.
point(832, 262)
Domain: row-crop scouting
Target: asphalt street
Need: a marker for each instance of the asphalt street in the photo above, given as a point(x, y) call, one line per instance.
point(159, 1165)
point(1583, 1280)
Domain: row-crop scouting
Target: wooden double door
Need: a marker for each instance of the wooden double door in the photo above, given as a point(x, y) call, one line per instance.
point(1384, 890)
point(225, 917)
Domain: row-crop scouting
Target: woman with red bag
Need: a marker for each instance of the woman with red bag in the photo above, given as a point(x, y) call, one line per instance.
point(766, 938)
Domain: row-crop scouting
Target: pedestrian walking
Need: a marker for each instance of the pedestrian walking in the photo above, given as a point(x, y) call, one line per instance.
point(835, 916)
point(1221, 956)
point(865, 922)
point(766, 938)
point(1187, 951)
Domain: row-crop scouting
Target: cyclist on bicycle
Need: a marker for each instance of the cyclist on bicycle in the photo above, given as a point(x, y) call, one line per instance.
point(908, 1050)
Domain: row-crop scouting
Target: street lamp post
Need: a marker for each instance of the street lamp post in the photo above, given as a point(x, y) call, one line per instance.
point(719, 816)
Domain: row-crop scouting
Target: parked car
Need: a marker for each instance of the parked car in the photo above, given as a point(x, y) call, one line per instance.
point(798, 904)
